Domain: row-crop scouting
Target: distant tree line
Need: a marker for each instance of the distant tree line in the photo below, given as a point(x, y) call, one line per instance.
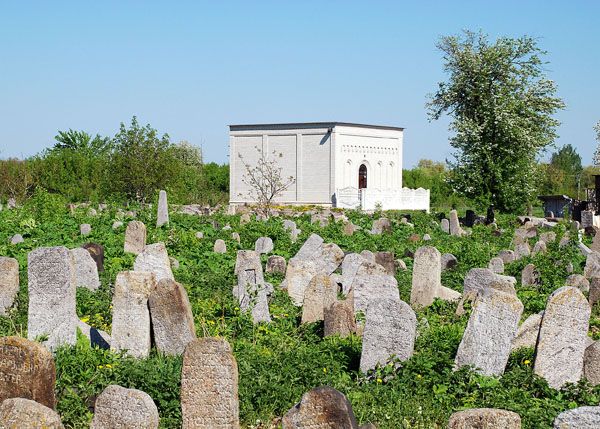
point(131, 166)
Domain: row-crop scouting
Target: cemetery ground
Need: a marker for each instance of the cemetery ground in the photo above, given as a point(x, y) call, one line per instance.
point(280, 361)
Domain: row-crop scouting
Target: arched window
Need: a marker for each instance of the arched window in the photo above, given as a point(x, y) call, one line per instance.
point(362, 176)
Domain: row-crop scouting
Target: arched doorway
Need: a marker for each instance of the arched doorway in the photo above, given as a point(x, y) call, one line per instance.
point(362, 176)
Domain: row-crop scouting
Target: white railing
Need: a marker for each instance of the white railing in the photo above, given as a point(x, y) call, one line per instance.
point(386, 199)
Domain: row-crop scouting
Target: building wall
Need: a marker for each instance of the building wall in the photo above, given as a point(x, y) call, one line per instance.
point(304, 154)
point(380, 151)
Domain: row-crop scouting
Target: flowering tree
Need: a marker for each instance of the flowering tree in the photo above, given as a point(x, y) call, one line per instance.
point(265, 180)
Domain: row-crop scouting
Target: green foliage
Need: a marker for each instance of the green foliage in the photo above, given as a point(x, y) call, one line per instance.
point(502, 107)
point(564, 173)
point(435, 177)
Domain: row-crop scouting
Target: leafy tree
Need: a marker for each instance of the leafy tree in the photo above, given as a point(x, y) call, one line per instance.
point(501, 106)
point(596, 159)
point(565, 165)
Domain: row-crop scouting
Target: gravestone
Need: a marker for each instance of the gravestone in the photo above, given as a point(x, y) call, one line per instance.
point(219, 246)
point(527, 334)
point(522, 250)
point(251, 290)
point(562, 339)
point(350, 265)
point(321, 408)
point(448, 261)
point(339, 318)
point(539, 247)
point(387, 261)
point(92, 212)
point(484, 418)
point(276, 264)
point(51, 276)
point(244, 218)
point(455, 228)
point(199, 235)
point(591, 363)
point(490, 216)
point(21, 413)
point(26, 371)
point(426, 279)
point(130, 315)
point(209, 385)
point(16, 239)
point(529, 275)
point(470, 218)
point(594, 295)
point(381, 225)
point(9, 283)
point(578, 418)
point(548, 237)
point(86, 270)
point(310, 247)
point(478, 279)
point(172, 318)
point(162, 214)
point(507, 256)
point(263, 245)
point(587, 218)
point(135, 237)
point(349, 229)
point(445, 225)
point(592, 265)
point(320, 294)
point(496, 265)
point(85, 229)
point(235, 236)
point(154, 259)
point(390, 330)
point(372, 283)
point(290, 226)
point(117, 224)
point(96, 251)
point(118, 407)
point(368, 255)
point(578, 281)
point(487, 340)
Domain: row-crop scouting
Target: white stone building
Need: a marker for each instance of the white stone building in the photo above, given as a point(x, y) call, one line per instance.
point(333, 163)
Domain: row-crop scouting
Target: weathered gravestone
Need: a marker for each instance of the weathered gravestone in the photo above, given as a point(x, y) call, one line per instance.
point(209, 385)
point(484, 418)
point(276, 264)
point(320, 294)
point(426, 279)
point(154, 259)
point(368, 255)
point(562, 339)
point(131, 318)
point(51, 277)
point(86, 270)
point(85, 229)
point(478, 279)
point(445, 225)
point(578, 281)
point(96, 251)
point(16, 239)
point(372, 283)
point(448, 261)
point(587, 218)
point(548, 237)
point(496, 265)
point(539, 248)
point(172, 318)
point(507, 256)
point(529, 275)
point(522, 250)
point(527, 333)
point(162, 214)
point(21, 413)
point(594, 295)
point(219, 246)
point(592, 265)
point(245, 218)
point(455, 228)
point(387, 261)
point(487, 340)
point(9, 283)
point(236, 236)
point(390, 330)
point(350, 265)
point(118, 407)
point(251, 290)
point(321, 408)
point(338, 318)
point(26, 371)
point(578, 418)
point(263, 245)
point(117, 224)
point(381, 225)
point(135, 237)
point(591, 363)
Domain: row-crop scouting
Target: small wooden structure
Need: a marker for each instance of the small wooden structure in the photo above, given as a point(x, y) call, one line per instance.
point(556, 204)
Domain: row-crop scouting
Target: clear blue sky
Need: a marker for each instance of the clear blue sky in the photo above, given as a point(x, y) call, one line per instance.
point(192, 68)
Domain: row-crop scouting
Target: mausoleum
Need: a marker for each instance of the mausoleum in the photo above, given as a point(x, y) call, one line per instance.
point(334, 164)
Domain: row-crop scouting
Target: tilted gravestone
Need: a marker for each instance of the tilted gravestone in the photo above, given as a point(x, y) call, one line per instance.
point(426, 278)
point(154, 259)
point(350, 265)
point(529, 275)
point(26, 371)
point(390, 330)
point(135, 237)
point(251, 290)
point(528, 332)
point(578, 418)
point(162, 214)
point(321, 408)
point(118, 407)
point(591, 363)
point(9, 283)
point(96, 251)
point(487, 340)
point(86, 270)
point(172, 318)
point(338, 318)
point(578, 281)
point(276, 264)
point(209, 385)
point(484, 418)
point(455, 228)
point(381, 225)
point(592, 265)
point(496, 265)
point(478, 279)
point(21, 413)
point(51, 276)
point(131, 318)
point(539, 248)
point(320, 293)
point(562, 339)
point(387, 261)
point(263, 245)
point(507, 256)
point(522, 250)
point(372, 283)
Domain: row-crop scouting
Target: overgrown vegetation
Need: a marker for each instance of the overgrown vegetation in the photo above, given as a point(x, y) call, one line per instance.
point(280, 361)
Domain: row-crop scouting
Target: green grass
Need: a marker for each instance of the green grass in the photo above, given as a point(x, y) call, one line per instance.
point(280, 361)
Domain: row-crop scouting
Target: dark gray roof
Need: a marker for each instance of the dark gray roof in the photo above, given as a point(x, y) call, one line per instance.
point(240, 127)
